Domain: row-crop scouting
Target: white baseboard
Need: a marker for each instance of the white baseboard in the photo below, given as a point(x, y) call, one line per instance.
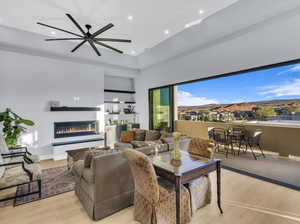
point(46, 157)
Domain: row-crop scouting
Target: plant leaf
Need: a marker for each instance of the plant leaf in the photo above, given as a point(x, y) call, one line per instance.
point(27, 122)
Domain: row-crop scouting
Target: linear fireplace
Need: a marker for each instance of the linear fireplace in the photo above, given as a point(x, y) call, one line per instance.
point(75, 128)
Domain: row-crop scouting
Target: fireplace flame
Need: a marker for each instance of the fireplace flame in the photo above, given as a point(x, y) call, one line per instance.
point(75, 130)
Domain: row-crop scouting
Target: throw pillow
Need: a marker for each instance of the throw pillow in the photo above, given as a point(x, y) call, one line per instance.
point(139, 135)
point(152, 135)
point(127, 136)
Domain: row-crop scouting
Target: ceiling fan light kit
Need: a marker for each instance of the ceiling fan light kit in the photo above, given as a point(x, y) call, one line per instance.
point(87, 37)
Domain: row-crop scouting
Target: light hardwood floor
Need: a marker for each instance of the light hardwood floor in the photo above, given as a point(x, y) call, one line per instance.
point(245, 200)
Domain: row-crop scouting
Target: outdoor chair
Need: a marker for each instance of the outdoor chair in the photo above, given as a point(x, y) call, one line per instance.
point(237, 135)
point(220, 137)
point(253, 141)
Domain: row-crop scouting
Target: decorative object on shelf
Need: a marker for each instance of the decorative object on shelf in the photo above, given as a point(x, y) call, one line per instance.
point(13, 126)
point(176, 155)
point(86, 36)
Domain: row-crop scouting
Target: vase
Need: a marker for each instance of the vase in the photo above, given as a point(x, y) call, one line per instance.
point(176, 154)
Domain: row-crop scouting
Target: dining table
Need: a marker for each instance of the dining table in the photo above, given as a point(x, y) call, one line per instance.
point(182, 171)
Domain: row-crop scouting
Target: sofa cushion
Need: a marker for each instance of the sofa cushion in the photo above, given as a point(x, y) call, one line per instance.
point(127, 136)
point(139, 135)
point(152, 135)
point(139, 144)
point(122, 146)
point(17, 175)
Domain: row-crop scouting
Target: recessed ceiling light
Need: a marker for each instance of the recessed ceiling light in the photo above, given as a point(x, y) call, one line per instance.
point(167, 32)
point(187, 25)
point(53, 32)
point(133, 52)
point(130, 18)
point(200, 11)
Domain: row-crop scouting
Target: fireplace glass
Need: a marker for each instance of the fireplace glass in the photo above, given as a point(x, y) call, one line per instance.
point(75, 128)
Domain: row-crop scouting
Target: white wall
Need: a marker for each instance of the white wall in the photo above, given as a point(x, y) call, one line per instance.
point(275, 41)
point(28, 83)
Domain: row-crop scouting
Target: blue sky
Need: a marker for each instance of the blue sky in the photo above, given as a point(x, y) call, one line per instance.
point(276, 83)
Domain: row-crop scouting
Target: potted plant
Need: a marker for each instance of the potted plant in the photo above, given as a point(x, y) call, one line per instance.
point(13, 126)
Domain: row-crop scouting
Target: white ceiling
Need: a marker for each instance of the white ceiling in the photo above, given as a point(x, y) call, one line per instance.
point(150, 17)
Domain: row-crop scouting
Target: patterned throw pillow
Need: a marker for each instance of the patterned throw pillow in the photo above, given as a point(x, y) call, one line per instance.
point(127, 136)
point(139, 135)
point(152, 135)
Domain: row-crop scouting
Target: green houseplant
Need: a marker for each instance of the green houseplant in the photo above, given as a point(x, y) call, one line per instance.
point(13, 126)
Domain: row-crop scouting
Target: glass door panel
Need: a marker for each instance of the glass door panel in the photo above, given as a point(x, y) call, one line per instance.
point(161, 108)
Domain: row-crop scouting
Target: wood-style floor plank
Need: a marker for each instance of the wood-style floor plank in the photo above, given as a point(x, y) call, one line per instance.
point(245, 200)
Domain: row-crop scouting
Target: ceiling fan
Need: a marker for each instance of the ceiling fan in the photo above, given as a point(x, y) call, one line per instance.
point(92, 39)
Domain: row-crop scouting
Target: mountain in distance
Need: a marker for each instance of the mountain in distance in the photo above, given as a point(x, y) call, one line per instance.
point(258, 103)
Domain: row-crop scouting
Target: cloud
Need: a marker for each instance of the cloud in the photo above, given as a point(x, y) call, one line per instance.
point(286, 89)
point(295, 68)
point(187, 99)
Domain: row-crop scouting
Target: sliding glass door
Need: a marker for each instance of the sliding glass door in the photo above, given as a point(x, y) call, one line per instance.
point(161, 108)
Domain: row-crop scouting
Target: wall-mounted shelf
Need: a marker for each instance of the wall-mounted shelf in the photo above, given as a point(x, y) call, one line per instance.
point(119, 91)
point(75, 109)
point(119, 102)
point(120, 114)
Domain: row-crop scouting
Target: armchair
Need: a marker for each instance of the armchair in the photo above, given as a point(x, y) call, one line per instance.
point(14, 174)
point(16, 154)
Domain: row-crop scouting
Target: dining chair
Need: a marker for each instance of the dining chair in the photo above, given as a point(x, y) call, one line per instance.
point(200, 189)
point(154, 200)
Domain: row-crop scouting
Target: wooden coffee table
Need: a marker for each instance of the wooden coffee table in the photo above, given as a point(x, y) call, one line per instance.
point(78, 154)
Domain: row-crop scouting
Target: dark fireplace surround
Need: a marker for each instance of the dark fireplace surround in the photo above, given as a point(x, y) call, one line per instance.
point(75, 128)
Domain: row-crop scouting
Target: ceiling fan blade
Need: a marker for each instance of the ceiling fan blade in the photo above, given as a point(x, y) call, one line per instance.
point(42, 24)
point(94, 47)
point(103, 29)
point(54, 39)
point(79, 45)
point(113, 40)
point(107, 46)
point(76, 24)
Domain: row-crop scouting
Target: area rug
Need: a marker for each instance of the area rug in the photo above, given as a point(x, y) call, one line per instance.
point(55, 181)
point(274, 169)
